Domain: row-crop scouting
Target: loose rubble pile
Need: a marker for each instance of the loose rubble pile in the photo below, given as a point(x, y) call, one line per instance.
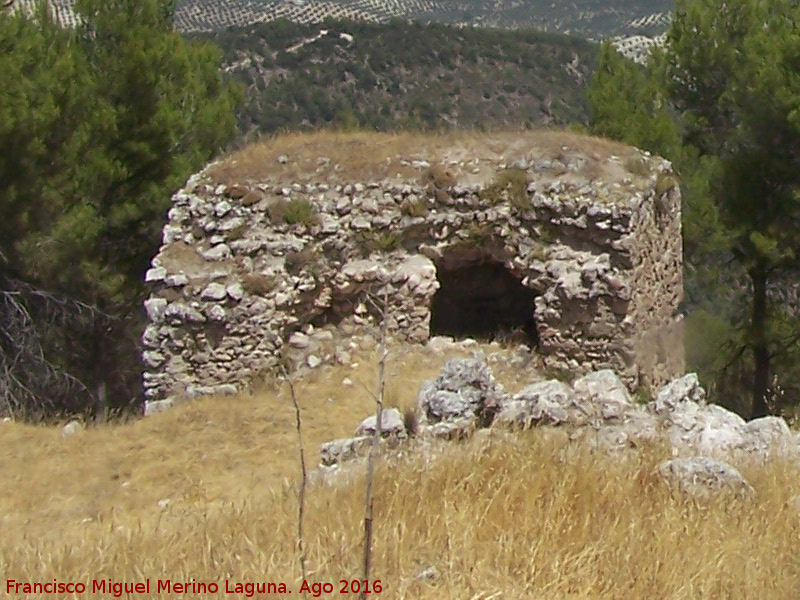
point(596, 408)
point(589, 245)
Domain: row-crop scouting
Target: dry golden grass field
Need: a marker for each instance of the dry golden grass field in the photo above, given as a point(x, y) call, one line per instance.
point(532, 518)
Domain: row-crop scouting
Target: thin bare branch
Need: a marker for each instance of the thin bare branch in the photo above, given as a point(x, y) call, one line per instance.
point(30, 381)
point(368, 512)
point(304, 476)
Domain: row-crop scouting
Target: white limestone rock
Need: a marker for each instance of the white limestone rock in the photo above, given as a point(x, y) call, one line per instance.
point(601, 394)
point(214, 291)
point(342, 450)
point(391, 424)
point(177, 280)
point(704, 478)
point(218, 252)
point(155, 274)
point(217, 313)
point(72, 428)
point(235, 291)
point(465, 388)
point(677, 391)
point(458, 429)
point(769, 436)
point(541, 403)
point(153, 358)
point(155, 308)
point(153, 407)
point(182, 312)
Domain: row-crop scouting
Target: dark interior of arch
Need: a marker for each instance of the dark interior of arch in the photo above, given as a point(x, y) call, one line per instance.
point(483, 300)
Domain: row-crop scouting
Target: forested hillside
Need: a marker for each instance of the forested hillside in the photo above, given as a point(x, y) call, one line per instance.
point(405, 76)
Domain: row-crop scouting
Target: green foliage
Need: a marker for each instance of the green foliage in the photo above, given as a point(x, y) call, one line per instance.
point(297, 211)
point(628, 104)
point(448, 78)
point(637, 165)
point(540, 252)
point(437, 181)
point(258, 284)
point(709, 338)
point(476, 235)
point(99, 126)
point(665, 183)
point(722, 102)
point(306, 259)
point(414, 208)
point(510, 185)
point(378, 241)
point(146, 108)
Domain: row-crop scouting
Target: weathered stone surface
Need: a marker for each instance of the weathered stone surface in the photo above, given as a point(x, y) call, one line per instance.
point(465, 389)
point(176, 280)
point(71, 428)
point(683, 389)
point(155, 308)
point(545, 402)
point(235, 291)
point(218, 252)
point(214, 291)
point(602, 395)
point(342, 450)
point(153, 407)
point(769, 436)
point(155, 274)
point(458, 429)
point(391, 424)
point(450, 408)
point(183, 313)
point(704, 478)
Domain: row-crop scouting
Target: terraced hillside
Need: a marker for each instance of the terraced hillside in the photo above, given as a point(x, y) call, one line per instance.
point(593, 19)
point(405, 76)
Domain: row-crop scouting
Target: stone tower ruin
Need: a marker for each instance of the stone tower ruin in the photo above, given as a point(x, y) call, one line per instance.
point(572, 242)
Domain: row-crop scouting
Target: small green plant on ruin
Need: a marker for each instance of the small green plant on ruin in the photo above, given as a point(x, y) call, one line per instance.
point(475, 235)
point(418, 207)
point(510, 185)
point(297, 211)
point(546, 235)
point(378, 241)
point(540, 252)
point(664, 183)
point(258, 284)
point(237, 232)
point(306, 259)
point(559, 374)
point(437, 181)
point(642, 396)
point(637, 165)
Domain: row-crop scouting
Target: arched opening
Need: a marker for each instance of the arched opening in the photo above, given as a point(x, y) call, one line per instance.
point(483, 300)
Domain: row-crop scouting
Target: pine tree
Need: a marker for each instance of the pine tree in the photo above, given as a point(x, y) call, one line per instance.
point(728, 74)
point(99, 126)
point(732, 75)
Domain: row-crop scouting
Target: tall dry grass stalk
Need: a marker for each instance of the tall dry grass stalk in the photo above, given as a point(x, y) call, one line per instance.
point(301, 499)
point(382, 306)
